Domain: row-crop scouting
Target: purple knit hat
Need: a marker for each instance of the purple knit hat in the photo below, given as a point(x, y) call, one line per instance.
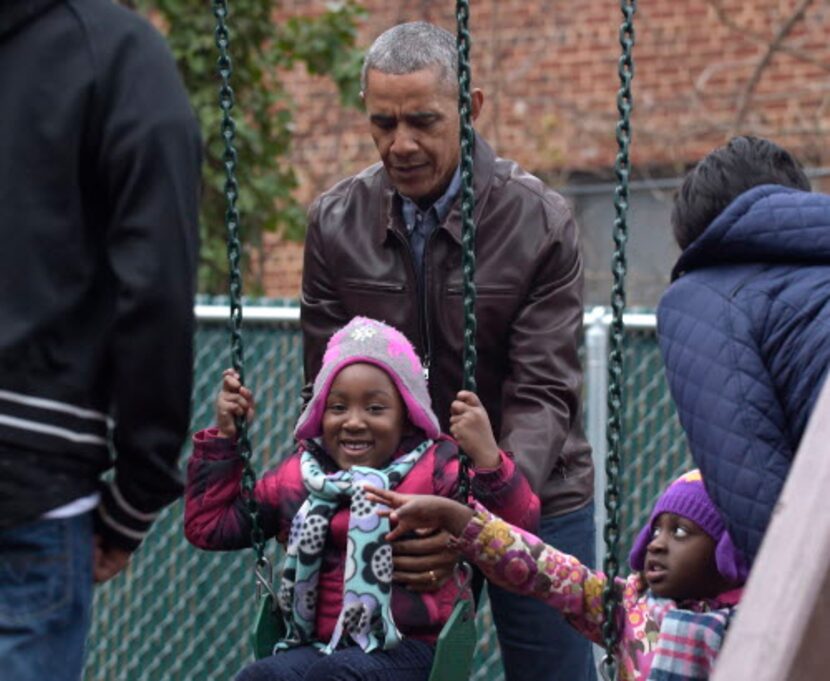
point(365, 340)
point(687, 497)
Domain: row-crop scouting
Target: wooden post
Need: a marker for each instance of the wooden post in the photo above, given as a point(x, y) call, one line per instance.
point(782, 629)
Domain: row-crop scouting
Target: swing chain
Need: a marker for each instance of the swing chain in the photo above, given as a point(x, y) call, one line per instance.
point(264, 573)
point(622, 169)
point(468, 230)
point(607, 668)
point(229, 160)
point(463, 576)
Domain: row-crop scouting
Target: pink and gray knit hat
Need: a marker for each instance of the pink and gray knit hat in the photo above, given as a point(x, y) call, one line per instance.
point(365, 340)
point(687, 497)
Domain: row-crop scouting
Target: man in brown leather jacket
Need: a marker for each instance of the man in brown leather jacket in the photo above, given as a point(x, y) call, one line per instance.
point(386, 243)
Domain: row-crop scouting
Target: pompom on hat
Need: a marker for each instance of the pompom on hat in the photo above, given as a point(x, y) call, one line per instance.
point(369, 341)
point(687, 497)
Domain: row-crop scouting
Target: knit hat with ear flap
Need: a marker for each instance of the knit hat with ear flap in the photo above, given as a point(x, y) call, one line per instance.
point(687, 497)
point(365, 340)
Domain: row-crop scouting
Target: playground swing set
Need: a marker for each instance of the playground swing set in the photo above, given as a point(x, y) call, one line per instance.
point(456, 643)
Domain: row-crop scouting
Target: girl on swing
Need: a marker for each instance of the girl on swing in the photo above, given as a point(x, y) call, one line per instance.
point(369, 421)
point(676, 606)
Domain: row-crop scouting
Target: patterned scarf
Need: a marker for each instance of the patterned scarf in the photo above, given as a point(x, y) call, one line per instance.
point(688, 644)
point(366, 616)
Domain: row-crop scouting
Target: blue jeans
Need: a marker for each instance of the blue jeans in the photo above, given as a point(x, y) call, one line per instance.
point(536, 642)
point(409, 661)
point(45, 599)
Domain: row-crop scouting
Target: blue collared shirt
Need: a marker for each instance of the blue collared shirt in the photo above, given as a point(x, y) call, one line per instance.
point(421, 223)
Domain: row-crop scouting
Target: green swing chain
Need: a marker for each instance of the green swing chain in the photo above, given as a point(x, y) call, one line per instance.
point(622, 169)
point(229, 160)
point(468, 229)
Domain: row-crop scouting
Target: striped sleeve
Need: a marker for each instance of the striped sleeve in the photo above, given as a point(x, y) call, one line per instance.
point(120, 519)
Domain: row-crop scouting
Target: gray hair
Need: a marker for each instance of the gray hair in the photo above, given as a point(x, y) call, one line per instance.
point(411, 47)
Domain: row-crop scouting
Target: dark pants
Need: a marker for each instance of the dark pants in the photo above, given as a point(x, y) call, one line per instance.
point(409, 661)
point(536, 642)
point(45, 599)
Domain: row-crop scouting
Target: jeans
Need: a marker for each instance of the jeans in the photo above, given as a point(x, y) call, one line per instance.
point(409, 661)
point(45, 599)
point(536, 642)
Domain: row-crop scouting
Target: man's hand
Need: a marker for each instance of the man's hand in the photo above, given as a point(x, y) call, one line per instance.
point(107, 561)
point(424, 562)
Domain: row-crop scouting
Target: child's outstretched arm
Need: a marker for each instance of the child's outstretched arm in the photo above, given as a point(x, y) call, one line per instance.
point(408, 512)
point(508, 556)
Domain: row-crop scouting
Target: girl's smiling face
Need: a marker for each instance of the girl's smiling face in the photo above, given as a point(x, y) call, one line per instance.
point(680, 560)
point(364, 418)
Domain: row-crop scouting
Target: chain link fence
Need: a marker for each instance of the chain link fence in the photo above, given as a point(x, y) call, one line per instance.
point(180, 614)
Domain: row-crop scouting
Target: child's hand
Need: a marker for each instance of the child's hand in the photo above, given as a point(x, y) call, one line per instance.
point(470, 426)
point(234, 400)
point(409, 512)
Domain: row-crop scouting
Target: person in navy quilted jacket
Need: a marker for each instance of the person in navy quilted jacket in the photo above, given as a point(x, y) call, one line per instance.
point(744, 327)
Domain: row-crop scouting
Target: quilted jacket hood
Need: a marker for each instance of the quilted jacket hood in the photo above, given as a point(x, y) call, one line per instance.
point(745, 337)
point(768, 223)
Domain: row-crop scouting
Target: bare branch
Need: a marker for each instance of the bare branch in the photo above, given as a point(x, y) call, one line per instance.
point(774, 46)
point(796, 53)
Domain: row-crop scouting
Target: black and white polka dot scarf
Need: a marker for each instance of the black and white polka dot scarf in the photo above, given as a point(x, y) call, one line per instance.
point(366, 616)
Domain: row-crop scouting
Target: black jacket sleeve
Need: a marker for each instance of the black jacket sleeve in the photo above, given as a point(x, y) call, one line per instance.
point(149, 176)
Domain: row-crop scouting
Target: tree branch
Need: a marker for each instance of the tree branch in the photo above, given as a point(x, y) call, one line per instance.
point(796, 53)
point(780, 35)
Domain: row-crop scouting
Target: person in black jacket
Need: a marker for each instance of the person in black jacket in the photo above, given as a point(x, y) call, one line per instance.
point(99, 181)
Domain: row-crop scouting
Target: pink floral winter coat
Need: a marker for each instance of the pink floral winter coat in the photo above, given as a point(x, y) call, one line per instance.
point(685, 637)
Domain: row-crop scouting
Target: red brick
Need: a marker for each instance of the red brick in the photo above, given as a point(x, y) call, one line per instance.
point(549, 71)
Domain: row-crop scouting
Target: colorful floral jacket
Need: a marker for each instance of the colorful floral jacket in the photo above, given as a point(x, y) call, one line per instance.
point(216, 519)
point(661, 640)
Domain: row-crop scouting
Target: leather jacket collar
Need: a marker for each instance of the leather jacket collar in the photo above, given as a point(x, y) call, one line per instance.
point(484, 163)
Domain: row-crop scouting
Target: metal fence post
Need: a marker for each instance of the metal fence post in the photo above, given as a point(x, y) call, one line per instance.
point(596, 405)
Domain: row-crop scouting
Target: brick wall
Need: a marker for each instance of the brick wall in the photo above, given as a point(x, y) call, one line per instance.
point(705, 69)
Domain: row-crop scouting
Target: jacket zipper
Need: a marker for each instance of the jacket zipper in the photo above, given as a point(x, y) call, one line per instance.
point(423, 321)
point(425, 310)
point(361, 285)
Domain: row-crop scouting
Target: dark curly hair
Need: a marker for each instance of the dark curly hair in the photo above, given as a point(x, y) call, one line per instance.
point(743, 163)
